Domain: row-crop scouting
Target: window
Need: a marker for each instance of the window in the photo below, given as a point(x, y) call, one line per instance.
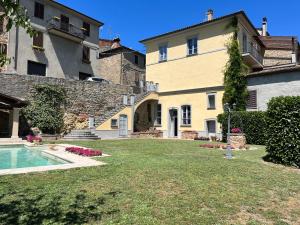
point(64, 23)
point(39, 10)
point(186, 115)
point(114, 123)
point(84, 76)
point(136, 59)
point(163, 53)
point(211, 126)
point(87, 29)
point(38, 39)
point(245, 43)
point(3, 49)
point(252, 100)
point(211, 101)
point(86, 54)
point(34, 68)
point(192, 46)
point(158, 115)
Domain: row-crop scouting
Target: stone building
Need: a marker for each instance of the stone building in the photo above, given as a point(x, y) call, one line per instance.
point(280, 75)
point(120, 64)
point(65, 46)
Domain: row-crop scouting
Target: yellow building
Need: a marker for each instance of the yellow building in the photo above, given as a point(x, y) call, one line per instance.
point(187, 68)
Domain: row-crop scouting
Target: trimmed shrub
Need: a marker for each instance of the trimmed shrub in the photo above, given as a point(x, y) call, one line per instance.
point(283, 144)
point(253, 124)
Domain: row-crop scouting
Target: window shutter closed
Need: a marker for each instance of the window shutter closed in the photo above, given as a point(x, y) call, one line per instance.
point(252, 100)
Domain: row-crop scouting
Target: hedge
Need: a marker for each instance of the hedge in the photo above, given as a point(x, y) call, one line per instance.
point(253, 124)
point(283, 144)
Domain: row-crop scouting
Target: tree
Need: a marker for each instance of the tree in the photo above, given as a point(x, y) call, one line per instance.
point(235, 73)
point(14, 14)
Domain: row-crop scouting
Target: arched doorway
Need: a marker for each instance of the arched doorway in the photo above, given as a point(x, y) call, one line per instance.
point(145, 116)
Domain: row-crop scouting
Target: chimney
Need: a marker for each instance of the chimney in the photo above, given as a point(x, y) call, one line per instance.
point(294, 56)
point(116, 43)
point(210, 15)
point(265, 26)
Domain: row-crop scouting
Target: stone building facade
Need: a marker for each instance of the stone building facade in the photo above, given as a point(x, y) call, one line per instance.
point(91, 98)
point(66, 44)
point(121, 65)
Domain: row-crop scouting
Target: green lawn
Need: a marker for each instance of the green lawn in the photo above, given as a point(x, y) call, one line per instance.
point(156, 182)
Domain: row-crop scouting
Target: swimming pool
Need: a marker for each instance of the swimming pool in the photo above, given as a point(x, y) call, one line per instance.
point(20, 156)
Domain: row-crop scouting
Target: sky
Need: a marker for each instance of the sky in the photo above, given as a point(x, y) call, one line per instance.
point(134, 20)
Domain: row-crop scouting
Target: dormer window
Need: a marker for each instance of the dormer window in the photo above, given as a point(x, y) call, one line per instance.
point(192, 45)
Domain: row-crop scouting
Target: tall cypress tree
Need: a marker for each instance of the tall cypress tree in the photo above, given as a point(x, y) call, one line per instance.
point(235, 73)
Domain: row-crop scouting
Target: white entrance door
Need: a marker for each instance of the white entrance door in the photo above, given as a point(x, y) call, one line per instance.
point(123, 126)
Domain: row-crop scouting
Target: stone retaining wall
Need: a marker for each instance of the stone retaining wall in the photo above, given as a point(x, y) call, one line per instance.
point(83, 97)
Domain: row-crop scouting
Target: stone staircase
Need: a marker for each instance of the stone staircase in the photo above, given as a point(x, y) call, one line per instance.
point(101, 119)
point(81, 135)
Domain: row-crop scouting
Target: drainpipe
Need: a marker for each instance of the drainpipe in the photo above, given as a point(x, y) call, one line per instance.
point(17, 45)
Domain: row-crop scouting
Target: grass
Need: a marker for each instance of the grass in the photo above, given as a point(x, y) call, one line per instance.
point(156, 182)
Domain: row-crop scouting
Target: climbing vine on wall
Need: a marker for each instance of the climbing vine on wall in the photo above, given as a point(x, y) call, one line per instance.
point(46, 108)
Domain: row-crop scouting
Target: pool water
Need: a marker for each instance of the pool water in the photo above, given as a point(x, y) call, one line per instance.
point(12, 157)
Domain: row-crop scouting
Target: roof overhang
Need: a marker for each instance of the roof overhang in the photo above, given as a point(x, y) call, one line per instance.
point(238, 14)
point(8, 102)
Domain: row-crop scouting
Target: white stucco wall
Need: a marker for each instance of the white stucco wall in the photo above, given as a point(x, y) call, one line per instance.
point(274, 85)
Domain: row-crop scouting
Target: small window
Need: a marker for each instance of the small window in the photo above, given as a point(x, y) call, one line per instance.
point(34, 68)
point(114, 123)
point(192, 46)
point(252, 100)
point(136, 59)
point(86, 54)
point(38, 40)
point(86, 29)
point(163, 53)
point(211, 101)
point(3, 49)
point(39, 10)
point(158, 115)
point(186, 115)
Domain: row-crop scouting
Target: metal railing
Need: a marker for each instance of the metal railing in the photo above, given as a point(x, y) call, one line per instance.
point(252, 50)
point(66, 27)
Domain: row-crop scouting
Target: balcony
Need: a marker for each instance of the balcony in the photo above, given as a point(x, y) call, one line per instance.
point(252, 56)
point(65, 30)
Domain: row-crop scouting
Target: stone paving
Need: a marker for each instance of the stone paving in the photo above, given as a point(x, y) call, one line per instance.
point(75, 161)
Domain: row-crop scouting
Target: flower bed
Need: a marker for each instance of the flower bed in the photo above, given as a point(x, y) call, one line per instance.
point(84, 151)
point(34, 139)
point(221, 146)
